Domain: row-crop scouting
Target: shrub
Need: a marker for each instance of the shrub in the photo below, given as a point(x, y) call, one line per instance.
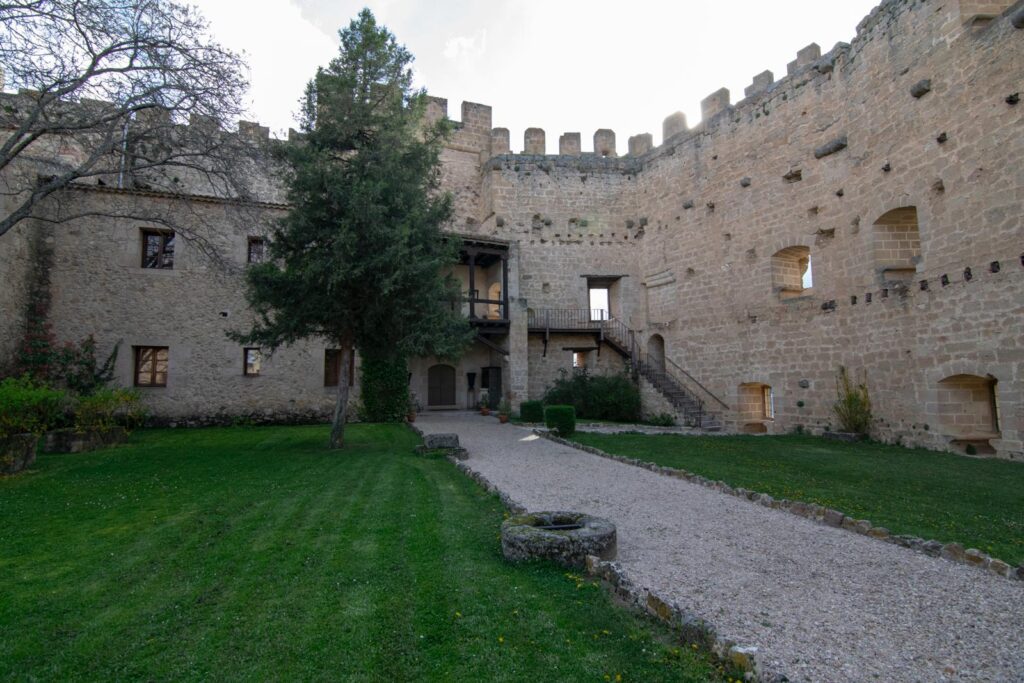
point(26, 407)
point(561, 419)
point(662, 420)
point(105, 409)
point(531, 411)
point(853, 405)
point(385, 388)
point(597, 397)
point(505, 407)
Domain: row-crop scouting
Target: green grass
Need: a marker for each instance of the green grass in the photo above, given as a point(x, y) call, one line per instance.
point(256, 554)
point(940, 496)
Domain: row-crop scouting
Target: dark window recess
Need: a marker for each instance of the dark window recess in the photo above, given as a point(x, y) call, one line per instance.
point(253, 361)
point(151, 366)
point(157, 249)
point(257, 250)
point(332, 368)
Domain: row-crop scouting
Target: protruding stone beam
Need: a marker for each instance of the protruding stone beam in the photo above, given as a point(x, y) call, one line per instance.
point(805, 57)
point(500, 143)
point(761, 83)
point(640, 144)
point(570, 144)
point(714, 104)
point(534, 142)
point(674, 124)
point(604, 143)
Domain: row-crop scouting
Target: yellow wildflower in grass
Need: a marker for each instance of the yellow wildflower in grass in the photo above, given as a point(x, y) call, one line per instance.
point(501, 639)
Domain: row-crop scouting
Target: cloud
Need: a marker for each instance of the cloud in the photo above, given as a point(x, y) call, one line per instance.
point(466, 50)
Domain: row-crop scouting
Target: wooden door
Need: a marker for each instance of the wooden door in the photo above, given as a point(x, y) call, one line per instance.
point(441, 385)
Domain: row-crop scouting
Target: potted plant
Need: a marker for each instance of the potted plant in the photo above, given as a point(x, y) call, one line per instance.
point(410, 412)
point(485, 409)
point(504, 410)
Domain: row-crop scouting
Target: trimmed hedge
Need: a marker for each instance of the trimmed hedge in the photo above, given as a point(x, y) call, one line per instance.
point(531, 411)
point(561, 419)
point(385, 388)
point(26, 407)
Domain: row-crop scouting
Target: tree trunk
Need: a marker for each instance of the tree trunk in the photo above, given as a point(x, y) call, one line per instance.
point(341, 405)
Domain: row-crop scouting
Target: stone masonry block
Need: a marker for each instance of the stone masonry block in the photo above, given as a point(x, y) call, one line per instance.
point(640, 144)
point(534, 141)
point(604, 143)
point(760, 83)
point(569, 144)
point(714, 104)
point(673, 125)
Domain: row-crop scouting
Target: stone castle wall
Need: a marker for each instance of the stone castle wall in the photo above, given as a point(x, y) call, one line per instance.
point(885, 163)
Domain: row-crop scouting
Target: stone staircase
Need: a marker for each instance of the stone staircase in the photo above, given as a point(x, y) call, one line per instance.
point(697, 406)
point(693, 403)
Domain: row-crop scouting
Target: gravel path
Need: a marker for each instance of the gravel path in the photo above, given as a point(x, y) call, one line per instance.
point(821, 604)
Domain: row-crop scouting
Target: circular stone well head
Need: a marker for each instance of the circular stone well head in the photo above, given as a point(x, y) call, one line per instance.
point(566, 538)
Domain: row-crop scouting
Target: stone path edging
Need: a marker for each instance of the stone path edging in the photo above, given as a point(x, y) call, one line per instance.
point(692, 629)
point(953, 552)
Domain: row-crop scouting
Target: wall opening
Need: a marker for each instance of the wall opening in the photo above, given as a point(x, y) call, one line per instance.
point(791, 272)
point(441, 386)
point(494, 294)
point(897, 243)
point(755, 407)
point(656, 352)
point(969, 412)
point(599, 303)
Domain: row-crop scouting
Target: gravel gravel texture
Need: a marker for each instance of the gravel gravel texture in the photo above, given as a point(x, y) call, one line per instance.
point(821, 604)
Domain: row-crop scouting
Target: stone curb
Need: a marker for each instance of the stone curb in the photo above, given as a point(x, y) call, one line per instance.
point(692, 629)
point(954, 552)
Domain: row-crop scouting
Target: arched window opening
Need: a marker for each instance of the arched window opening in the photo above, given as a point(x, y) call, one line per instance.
point(897, 243)
point(969, 412)
point(756, 407)
point(656, 352)
point(791, 272)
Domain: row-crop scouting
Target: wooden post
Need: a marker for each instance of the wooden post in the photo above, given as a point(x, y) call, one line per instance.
point(472, 284)
point(504, 288)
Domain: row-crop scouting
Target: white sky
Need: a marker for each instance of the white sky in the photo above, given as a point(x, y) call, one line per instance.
point(560, 65)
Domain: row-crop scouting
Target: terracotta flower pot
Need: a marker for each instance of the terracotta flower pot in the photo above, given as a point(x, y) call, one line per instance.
point(485, 411)
point(502, 419)
point(411, 417)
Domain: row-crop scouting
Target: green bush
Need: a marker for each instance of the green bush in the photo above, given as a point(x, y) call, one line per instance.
point(596, 397)
point(385, 388)
point(26, 407)
point(561, 419)
point(662, 420)
point(531, 411)
point(105, 409)
point(853, 405)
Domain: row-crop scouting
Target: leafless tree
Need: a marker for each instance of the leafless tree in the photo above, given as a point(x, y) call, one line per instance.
point(132, 95)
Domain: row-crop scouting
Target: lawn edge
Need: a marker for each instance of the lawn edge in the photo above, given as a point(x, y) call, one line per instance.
point(954, 552)
point(691, 628)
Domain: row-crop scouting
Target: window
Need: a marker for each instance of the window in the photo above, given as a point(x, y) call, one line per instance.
point(158, 249)
point(897, 243)
point(767, 403)
point(332, 368)
point(791, 272)
point(257, 250)
point(599, 303)
point(579, 360)
point(252, 361)
point(151, 366)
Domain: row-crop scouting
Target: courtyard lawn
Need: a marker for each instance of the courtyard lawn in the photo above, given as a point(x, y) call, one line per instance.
point(256, 554)
point(940, 496)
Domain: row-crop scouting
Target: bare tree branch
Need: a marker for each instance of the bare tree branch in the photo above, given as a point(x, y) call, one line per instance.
point(132, 94)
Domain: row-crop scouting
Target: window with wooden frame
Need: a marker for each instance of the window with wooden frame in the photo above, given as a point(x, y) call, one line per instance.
point(257, 250)
point(157, 249)
point(252, 361)
point(151, 366)
point(332, 367)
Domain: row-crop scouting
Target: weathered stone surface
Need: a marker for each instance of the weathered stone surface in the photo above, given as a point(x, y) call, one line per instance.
point(17, 452)
point(952, 551)
point(879, 532)
point(832, 147)
point(522, 538)
point(433, 441)
point(833, 517)
point(975, 557)
point(848, 437)
point(999, 567)
point(921, 88)
point(73, 441)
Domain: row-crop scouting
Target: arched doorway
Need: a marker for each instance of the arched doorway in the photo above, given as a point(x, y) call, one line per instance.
point(441, 386)
point(656, 352)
